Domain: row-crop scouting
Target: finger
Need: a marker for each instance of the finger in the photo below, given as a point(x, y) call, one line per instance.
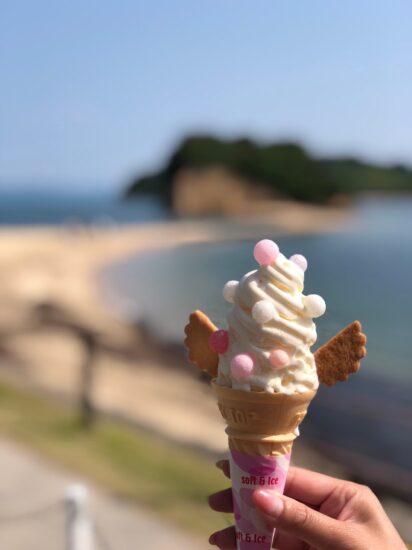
point(222, 501)
point(301, 484)
point(309, 487)
point(224, 466)
point(304, 523)
point(225, 539)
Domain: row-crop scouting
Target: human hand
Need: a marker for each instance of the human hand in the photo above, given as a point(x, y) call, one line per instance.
point(317, 512)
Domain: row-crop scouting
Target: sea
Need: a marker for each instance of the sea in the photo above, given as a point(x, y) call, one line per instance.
point(66, 206)
point(363, 271)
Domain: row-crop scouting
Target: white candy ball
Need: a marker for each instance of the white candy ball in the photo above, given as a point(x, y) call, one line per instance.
point(300, 261)
point(263, 311)
point(229, 291)
point(315, 305)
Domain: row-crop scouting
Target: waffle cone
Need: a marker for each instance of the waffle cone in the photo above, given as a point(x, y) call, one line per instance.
point(261, 423)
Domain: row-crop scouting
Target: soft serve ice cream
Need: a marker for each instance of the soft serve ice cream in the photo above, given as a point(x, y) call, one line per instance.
point(270, 327)
point(265, 376)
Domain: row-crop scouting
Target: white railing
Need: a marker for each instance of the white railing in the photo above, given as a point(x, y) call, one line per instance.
point(82, 531)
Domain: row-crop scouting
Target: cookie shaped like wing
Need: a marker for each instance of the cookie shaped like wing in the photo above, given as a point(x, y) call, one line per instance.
point(198, 332)
point(341, 355)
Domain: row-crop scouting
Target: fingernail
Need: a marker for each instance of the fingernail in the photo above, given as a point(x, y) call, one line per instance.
point(269, 502)
point(212, 539)
point(220, 464)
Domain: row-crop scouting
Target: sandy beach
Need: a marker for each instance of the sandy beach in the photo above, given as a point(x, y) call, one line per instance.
point(55, 269)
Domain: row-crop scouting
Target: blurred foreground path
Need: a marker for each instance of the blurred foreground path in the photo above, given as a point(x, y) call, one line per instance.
point(29, 484)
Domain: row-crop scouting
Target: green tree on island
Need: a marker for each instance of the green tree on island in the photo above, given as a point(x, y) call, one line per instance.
point(285, 169)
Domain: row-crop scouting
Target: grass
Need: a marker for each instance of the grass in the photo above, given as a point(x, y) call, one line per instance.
point(128, 462)
point(169, 480)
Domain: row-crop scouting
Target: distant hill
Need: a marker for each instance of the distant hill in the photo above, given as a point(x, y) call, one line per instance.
point(283, 169)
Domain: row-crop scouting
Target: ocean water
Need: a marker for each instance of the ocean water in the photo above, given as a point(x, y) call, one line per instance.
point(66, 206)
point(364, 272)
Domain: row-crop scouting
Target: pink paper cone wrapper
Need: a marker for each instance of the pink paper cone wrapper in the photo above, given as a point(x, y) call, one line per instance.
point(248, 473)
point(261, 428)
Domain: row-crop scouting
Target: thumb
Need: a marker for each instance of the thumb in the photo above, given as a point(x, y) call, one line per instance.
point(294, 518)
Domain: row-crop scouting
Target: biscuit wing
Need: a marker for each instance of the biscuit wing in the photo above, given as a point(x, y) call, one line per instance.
point(198, 331)
point(341, 355)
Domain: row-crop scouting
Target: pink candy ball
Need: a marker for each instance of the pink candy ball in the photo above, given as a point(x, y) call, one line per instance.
point(219, 341)
point(266, 252)
point(241, 366)
point(300, 260)
point(279, 358)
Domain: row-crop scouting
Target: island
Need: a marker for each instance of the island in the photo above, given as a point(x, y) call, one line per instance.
point(209, 175)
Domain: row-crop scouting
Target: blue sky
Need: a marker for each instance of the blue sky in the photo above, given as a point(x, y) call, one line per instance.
point(93, 92)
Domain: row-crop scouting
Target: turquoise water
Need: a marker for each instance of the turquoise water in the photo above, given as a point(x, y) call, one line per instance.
point(64, 206)
point(364, 272)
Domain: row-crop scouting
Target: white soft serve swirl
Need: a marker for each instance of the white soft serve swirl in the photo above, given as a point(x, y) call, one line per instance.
point(292, 330)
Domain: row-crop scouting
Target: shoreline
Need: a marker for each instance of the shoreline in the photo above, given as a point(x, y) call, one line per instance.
point(59, 267)
point(50, 303)
point(61, 264)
